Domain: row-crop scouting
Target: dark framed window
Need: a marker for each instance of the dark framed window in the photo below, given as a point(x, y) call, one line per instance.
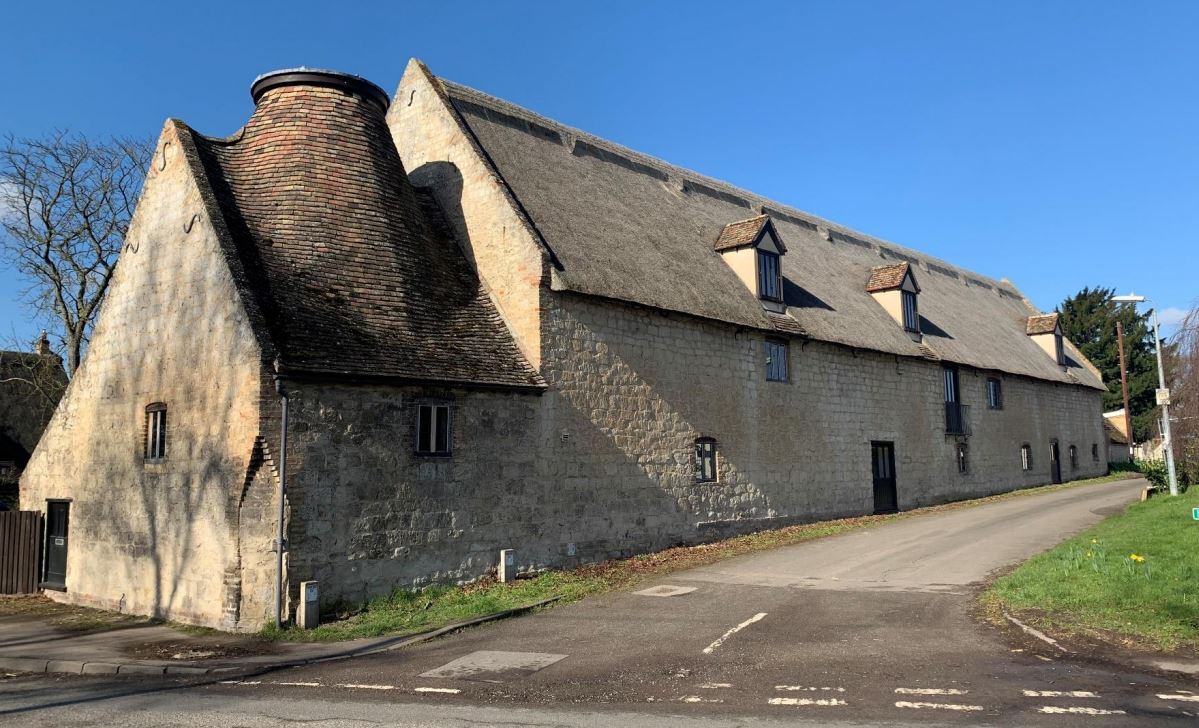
point(1073, 458)
point(776, 360)
point(433, 429)
point(1060, 349)
point(770, 276)
point(994, 394)
point(1026, 457)
point(1095, 451)
point(963, 455)
point(911, 315)
point(705, 460)
point(156, 431)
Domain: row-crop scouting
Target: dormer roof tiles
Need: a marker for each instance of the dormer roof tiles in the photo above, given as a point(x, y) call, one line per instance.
point(1042, 324)
point(886, 277)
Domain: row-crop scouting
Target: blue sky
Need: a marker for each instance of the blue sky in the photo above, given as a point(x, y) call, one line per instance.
point(1052, 143)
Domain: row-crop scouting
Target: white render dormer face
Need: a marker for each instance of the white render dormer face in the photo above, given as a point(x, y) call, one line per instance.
point(894, 287)
point(1046, 331)
point(753, 250)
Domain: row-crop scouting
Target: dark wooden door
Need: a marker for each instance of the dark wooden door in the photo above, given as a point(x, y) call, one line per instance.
point(1055, 462)
point(57, 520)
point(882, 455)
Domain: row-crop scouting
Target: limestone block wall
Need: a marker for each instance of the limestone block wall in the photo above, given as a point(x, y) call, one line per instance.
point(367, 514)
point(156, 538)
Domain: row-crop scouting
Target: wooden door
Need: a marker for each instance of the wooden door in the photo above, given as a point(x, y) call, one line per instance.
point(57, 521)
point(882, 456)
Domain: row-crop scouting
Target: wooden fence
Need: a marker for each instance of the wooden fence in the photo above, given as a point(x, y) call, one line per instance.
point(20, 551)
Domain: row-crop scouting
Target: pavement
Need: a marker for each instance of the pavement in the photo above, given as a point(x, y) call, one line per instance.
point(873, 627)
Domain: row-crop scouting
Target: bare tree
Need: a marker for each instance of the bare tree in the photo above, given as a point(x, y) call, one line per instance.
point(1182, 364)
point(66, 202)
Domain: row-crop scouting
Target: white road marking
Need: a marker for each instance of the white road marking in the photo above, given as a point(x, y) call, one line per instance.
point(1035, 632)
point(710, 648)
point(807, 701)
point(808, 689)
point(1060, 694)
point(937, 706)
point(1054, 710)
point(241, 682)
point(299, 684)
point(715, 686)
point(930, 691)
point(451, 691)
point(698, 699)
point(1177, 696)
point(358, 686)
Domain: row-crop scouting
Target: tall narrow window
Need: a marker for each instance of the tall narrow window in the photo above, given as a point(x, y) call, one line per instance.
point(911, 316)
point(776, 360)
point(1026, 457)
point(1073, 458)
point(1061, 352)
point(705, 460)
point(156, 431)
point(994, 394)
point(963, 458)
point(1095, 451)
point(770, 278)
point(433, 429)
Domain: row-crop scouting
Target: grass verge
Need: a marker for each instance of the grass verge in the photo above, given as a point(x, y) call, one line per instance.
point(406, 612)
point(1132, 580)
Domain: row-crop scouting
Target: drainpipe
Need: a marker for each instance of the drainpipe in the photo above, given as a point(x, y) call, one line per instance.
point(279, 537)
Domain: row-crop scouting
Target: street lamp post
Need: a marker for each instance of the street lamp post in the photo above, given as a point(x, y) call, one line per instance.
point(1167, 443)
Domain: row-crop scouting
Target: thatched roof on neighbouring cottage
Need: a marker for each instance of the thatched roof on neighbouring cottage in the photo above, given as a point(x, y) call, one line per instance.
point(351, 270)
point(626, 226)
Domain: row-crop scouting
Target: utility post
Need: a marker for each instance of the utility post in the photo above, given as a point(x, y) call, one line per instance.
point(1124, 388)
point(1163, 394)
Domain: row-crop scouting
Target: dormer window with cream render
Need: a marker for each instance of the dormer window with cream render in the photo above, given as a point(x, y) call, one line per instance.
point(896, 290)
point(1046, 330)
point(753, 250)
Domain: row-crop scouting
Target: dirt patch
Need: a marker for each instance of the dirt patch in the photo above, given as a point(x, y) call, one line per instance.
point(66, 616)
point(188, 649)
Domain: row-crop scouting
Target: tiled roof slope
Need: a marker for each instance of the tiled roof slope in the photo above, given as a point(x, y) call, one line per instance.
point(627, 226)
point(886, 277)
point(1043, 324)
point(350, 273)
point(743, 232)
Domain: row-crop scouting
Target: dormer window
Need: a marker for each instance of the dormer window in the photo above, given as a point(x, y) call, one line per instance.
point(770, 276)
point(896, 290)
point(1046, 330)
point(753, 250)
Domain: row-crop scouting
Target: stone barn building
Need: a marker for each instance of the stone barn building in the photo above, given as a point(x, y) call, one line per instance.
point(494, 331)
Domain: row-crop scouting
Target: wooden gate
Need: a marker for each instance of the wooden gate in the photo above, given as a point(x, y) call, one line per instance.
point(20, 551)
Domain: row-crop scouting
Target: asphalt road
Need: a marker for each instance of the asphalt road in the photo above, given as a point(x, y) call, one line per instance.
point(872, 627)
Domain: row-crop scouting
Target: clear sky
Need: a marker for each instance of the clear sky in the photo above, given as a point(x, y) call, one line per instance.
point(1052, 143)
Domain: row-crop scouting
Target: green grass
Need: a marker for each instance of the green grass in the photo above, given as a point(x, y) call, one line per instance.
point(1092, 586)
point(407, 612)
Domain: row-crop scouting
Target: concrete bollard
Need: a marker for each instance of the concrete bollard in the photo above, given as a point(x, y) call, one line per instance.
point(507, 569)
point(309, 615)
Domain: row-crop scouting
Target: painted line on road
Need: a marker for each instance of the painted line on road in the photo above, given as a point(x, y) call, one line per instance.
point(937, 706)
point(805, 688)
point(827, 702)
point(1035, 633)
point(712, 647)
point(299, 684)
point(241, 682)
point(1077, 710)
point(1060, 694)
point(697, 699)
point(449, 691)
point(359, 686)
point(930, 691)
point(715, 686)
point(1178, 696)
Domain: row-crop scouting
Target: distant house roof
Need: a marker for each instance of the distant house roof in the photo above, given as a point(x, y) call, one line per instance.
point(886, 277)
point(1114, 434)
point(31, 385)
point(351, 270)
point(1043, 324)
point(745, 232)
point(626, 226)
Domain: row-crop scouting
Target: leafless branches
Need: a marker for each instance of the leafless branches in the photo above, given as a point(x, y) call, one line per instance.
point(1182, 363)
point(65, 206)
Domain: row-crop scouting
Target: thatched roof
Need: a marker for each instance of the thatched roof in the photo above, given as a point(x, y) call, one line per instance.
point(626, 226)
